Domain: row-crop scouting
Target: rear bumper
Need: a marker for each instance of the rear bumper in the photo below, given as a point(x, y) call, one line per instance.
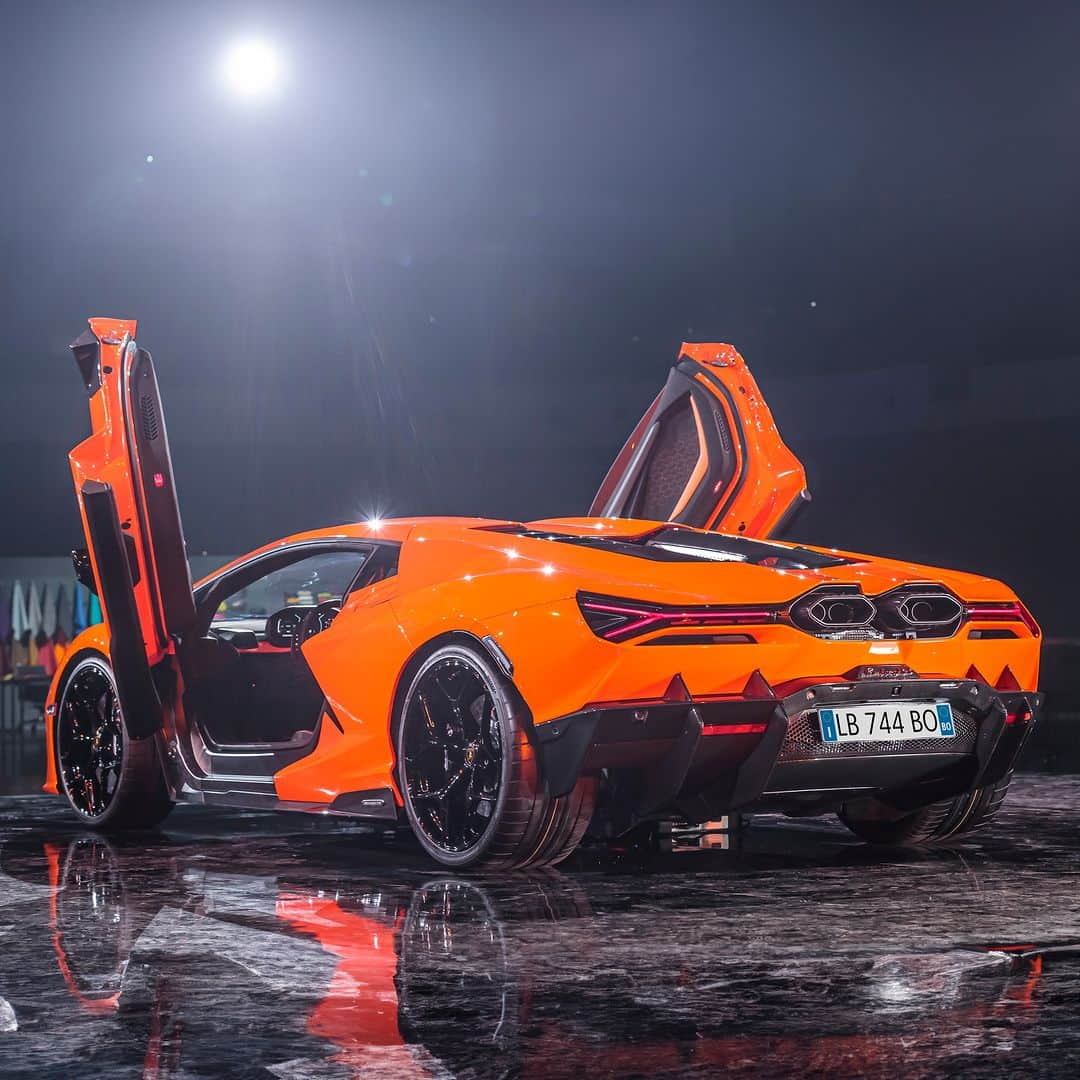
point(705, 758)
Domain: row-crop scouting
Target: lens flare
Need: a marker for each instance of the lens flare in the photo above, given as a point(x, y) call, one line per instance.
point(253, 69)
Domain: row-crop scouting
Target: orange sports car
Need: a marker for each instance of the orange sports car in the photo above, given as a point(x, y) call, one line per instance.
point(503, 688)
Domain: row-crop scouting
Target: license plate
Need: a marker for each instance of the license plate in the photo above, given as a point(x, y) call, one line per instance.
point(882, 721)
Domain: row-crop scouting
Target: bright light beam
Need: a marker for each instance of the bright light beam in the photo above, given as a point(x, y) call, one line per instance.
point(253, 69)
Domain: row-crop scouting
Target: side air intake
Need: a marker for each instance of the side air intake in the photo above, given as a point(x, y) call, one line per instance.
point(149, 417)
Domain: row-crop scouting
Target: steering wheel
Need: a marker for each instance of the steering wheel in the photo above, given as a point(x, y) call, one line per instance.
point(315, 622)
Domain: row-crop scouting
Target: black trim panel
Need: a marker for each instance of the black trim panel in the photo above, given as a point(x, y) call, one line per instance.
point(690, 369)
point(791, 515)
point(127, 652)
point(376, 803)
point(706, 776)
point(87, 352)
point(162, 532)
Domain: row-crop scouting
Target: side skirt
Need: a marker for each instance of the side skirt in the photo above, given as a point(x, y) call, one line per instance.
point(244, 794)
point(242, 780)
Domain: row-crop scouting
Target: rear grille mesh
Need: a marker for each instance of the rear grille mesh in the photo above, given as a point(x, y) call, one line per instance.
point(803, 741)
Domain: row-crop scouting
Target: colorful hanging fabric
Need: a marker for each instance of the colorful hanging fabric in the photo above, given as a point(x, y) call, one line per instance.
point(5, 634)
point(63, 632)
point(48, 611)
point(20, 628)
point(95, 610)
point(46, 658)
point(62, 620)
point(78, 617)
point(34, 618)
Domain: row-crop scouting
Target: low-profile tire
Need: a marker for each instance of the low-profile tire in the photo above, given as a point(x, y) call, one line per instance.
point(876, 823)
point(980, 807)
point(111, 781)
point(468, 774)
point(571, 819)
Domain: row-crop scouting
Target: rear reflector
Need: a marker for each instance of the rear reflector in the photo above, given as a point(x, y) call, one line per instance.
point(702, 639)
point(1021, 716)
point(733, 729)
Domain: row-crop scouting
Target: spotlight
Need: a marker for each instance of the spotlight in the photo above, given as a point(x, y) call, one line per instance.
point(253, 69)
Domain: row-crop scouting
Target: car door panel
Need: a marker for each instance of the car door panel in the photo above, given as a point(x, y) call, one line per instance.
point(124, 485)
point(128, 451)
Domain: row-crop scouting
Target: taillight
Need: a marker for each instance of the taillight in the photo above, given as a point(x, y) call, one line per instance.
point(1002, 611)
point(615, 619)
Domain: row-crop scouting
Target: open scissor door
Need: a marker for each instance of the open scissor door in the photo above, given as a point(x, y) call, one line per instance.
point(124, 482)
point(706, 454)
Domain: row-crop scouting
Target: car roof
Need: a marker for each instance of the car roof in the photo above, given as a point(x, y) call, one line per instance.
point(397, 530)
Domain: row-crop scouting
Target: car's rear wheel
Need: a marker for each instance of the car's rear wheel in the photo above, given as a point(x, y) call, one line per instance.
point(468, 775)
point(110, 780)
point(877, 823)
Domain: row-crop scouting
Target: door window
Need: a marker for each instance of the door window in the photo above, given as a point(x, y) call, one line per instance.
point(309, 581)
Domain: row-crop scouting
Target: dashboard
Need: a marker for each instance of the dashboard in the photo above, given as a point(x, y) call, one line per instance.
point(287, 628)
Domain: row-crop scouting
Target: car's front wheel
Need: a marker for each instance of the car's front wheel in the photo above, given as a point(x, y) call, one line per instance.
point(111, 780)
point(468, 775)
point(877, 823)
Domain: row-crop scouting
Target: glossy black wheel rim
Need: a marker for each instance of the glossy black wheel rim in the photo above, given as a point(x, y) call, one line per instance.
point(452, 753)
point(90, 739)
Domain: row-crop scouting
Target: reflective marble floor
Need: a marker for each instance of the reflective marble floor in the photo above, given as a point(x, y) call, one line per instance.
point(242, 944)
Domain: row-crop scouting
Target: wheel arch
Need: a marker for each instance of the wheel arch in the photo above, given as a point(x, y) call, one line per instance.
point(430, 647)
point(94, 639)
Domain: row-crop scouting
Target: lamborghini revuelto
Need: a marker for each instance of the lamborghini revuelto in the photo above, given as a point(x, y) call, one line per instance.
point(504, 687)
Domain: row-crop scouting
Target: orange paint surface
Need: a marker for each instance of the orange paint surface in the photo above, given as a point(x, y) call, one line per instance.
point(461, 575)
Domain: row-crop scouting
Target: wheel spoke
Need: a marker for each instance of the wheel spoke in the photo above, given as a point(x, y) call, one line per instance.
point(443, 792)
point(480, 712)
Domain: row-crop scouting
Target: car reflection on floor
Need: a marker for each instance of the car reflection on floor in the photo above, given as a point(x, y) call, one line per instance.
point(251, 949)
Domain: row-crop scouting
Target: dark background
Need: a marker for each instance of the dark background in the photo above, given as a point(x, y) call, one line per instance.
point(447, 269)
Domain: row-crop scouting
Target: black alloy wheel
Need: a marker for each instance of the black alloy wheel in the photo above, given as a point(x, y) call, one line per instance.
point(111, 780)
point(90, 739)
point(453, 762)
point(467, 770)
